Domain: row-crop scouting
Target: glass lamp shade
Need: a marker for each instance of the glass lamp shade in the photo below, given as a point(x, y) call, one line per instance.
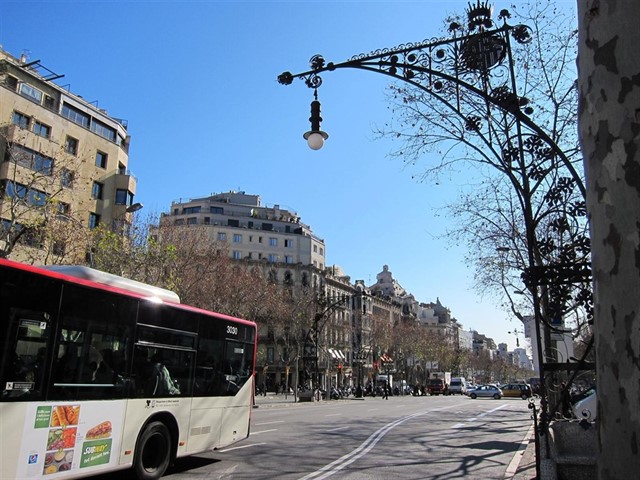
point(315, 140)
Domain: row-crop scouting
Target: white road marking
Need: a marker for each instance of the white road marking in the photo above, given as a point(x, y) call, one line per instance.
point(269, 423)
point(242, 446)
point(264, 431)
point(363, 449)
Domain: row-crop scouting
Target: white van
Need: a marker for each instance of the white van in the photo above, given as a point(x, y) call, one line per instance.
point(458, 385)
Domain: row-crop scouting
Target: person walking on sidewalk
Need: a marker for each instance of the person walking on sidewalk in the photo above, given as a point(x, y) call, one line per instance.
point(385, 391)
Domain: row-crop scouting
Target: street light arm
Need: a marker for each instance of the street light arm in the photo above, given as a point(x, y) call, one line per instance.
point(413, 63)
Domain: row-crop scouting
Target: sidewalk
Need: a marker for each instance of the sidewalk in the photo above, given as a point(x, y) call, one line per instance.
point(273, 399)
point(521, 467)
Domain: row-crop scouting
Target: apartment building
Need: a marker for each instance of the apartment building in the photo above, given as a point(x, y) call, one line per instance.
point(62, 159)
point(253, 231)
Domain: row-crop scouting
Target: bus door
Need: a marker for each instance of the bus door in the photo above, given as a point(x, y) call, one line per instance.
point(28, 306)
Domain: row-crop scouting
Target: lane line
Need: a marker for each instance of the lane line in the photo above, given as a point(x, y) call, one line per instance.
point(269, 423)
point(264, 431)
point(243, 446)
point(337, 429)
point(364, 448)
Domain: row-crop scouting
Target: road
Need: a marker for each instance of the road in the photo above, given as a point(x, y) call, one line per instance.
point(399, 438)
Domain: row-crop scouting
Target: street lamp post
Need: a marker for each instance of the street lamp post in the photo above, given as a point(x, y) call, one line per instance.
point(452, 71)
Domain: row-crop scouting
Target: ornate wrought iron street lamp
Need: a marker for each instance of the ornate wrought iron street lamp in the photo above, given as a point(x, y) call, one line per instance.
point(471, 75)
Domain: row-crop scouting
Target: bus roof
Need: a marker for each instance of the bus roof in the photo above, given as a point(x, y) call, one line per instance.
point(111, 280)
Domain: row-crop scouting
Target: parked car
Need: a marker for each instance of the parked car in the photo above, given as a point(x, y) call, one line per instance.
point(521, 390)
point(586, 407)
point(486, 391)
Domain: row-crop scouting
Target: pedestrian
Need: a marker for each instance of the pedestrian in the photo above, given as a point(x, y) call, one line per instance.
point(385, 392)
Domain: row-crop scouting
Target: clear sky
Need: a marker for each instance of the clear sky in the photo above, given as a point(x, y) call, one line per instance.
point(196, 82)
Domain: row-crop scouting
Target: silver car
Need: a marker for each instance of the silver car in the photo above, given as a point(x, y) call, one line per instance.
point(486, 391)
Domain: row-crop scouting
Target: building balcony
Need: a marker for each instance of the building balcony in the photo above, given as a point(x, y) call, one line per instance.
point(126, 181)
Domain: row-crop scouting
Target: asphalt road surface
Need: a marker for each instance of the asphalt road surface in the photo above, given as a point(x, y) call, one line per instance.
point(399, 438)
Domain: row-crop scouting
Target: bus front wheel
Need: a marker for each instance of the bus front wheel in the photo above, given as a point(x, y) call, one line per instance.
point(153, 452)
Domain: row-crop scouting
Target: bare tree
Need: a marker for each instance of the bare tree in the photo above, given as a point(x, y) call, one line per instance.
point(522, 215)
point(609, 82)
point(38, 224)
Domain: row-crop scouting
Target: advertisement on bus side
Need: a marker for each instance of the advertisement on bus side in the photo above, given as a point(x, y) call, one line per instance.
point(66, 437)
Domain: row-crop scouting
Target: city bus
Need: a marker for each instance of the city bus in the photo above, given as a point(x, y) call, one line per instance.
point(99, 373)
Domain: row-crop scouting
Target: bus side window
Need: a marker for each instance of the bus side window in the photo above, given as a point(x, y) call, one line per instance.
point(92, 345)
point(209, 375)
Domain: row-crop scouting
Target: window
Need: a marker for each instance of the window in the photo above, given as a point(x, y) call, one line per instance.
point(273, 242)
point(237, 238)
point(43, 164)
point(31, 159)
point(122, 196)
point(94, 220)
point(49, 102)
point(75, 115)
point(315, 249)
point(20, 119)
point(101, 159)
point(188, 210)
point(97, 190)
point(192, 220)
point(71, 145)
point(288, 259)
point(91, 350)
point(63, 208)
point(322, 251)
point(288, 243)
point(31, 93)
point(103, 130)
point(30, 195)
point(273, 258)
point(32, 238)
point(122, 170)
point(222, 237)
point(11, 82)
point(207, 220)
point(66, 178)
point(58, 248)
point(219, 210)
point(237, 255)
point(41, 129)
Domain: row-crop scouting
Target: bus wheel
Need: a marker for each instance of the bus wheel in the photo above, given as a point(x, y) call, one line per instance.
point(153, 452)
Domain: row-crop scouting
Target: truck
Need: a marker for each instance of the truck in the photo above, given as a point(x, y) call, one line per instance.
point(439, 383)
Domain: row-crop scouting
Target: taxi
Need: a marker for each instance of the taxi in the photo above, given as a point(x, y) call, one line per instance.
point(521, 390)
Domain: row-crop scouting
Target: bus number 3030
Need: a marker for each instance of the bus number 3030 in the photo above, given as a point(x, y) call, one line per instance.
point(231, 330)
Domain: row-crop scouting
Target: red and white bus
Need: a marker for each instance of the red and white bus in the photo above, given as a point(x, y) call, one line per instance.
point(100, 373)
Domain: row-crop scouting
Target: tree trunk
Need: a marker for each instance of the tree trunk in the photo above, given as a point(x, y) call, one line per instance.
point(609, 116)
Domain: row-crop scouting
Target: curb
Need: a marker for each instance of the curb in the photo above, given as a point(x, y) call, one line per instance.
point(524, 459)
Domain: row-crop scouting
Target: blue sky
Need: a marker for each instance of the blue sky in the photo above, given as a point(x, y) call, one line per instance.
point(196, 81)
